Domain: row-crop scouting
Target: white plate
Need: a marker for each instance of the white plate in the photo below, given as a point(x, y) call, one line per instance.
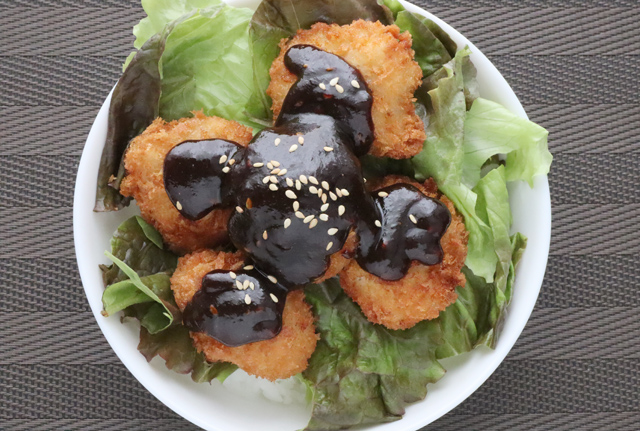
point(217, 408)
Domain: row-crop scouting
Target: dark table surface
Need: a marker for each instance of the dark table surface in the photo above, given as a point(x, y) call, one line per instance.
point(575, 66)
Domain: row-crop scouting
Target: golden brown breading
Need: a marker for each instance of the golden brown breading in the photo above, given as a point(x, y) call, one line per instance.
point(426, 290)
point(144, 162)
point(279, 358)
point(339, 260)
point(385, 58)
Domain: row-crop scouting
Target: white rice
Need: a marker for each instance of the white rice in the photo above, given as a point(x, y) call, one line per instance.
point(285, 391)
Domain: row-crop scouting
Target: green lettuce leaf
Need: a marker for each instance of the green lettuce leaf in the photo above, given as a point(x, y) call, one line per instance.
point(278, 19)
point(362, 373)
point(125, 293)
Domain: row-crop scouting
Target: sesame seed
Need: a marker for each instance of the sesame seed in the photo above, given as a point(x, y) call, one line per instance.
point(325, 185)
point(329, 246)
point(248, 203)
point(328, 149)
point(307, 219)
point(324, 198)
point(251, 285)
point(275, 163)
point(332, 231)
point(339, 192)
point(313, 223)
point(223, 158)
point(226, 169)
point(323, 217)
point(320, 192)
point(298, 185)
point(273, 179)
point(277, 142)
point(290, 194)
point(303, 179)
point(339, 88)
point(275, 171)
point(265, 180)
point(238, 284)
point(245, 285)
point(313, 180)
point(178, 205)
point(321, 85)
point(296, 206)
point(273, 187)
point(265, 235)
point(269, 165)
point(355, 84)
point(377, 222)
point(300, 140)
point(272, 279)
point(231, 162)
point(293, 148)
point(341, 210)
point(274, 298)
point(287, 223)
point(324, 207)
point(289, 182)
point(333, 196)
point(258, 165)
point(334, 81)
point(247, 299)
point(232, 274)
point(313, 189)
point(282, 172)
point(329, 69)
point(364, 179)
point(413, 219)
point(299, 214)
point(383, 194)
point(248, 268)
point(239, 209)
point(345, 192)
point(305, 65)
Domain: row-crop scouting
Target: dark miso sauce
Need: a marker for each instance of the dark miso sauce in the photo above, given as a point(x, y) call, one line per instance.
point(298, 192)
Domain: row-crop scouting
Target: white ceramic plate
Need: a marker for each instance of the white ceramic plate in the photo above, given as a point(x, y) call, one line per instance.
point(216, 407)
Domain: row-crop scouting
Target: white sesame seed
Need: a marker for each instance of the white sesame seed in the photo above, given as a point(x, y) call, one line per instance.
point(328, 149)
point(300, 140)
point(226, 169)
point(413, 219)
point(289, 182)
point(277, 142)
point(308, 218)
point(251, 285)
point(273, 179)
point(324, 198)
point(282, 172)
point(274, 298)
point(313, 189)
point(339, 192)
point(334, 81)
point(298, 185)
point(238, 284)
point(290, 194)
point(364, 179)
point(273, 187)
point(275, 163)
point(293, 148)
point(313, 180)
point(296, 206)
point(272, 279)
point(313, 223)
point(239, 209)
point(345, 192)
point(323, 217)
point(265, 180)
point(321, 85)
point(341, 210)
point(178, 205)
point(383, 194)
point(248, 268)
point(258, 165)
point(287, 223)
point(232, 274)
point(245, 285)
point(275, 171)
point(324, 207)
point(299, 214)
point(231, 162)
point(223, 158)
point(265, 235)
point(355, 84)
point(333, 196)
point(329, 246)
point(377, 222)
point(269, 165)
point(320, 192)
point(303, 179)
point(247, 299)
point(332, 231)
point(339, 88)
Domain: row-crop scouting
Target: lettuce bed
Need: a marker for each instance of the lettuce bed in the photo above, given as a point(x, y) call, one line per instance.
point(205, 55)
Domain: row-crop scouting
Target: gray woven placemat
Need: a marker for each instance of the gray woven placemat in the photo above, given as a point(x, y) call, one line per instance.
point(575, 66)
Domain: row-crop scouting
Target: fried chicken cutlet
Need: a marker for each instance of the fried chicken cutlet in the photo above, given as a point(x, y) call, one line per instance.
point(278, 358)
point(384, 57)
point(426, 290)
point(144, 181)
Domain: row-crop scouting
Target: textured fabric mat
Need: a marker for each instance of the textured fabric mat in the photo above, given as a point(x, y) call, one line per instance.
point(574, 65)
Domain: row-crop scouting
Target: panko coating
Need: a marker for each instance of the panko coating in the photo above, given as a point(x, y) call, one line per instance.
point(426, 290)
point(144, 181)
point(384, 57)
point(340, 259)
point(278, 358)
